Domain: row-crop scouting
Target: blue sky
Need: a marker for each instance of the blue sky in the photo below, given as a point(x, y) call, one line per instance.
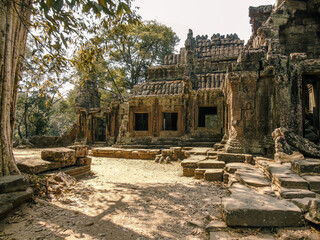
point(204, 17)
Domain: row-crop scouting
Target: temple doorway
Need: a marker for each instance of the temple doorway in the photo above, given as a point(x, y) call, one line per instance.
point(310, 110)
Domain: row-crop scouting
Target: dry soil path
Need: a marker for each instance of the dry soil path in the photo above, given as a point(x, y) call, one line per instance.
point(123, 199)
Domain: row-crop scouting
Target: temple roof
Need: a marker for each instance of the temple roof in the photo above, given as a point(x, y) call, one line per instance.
point(160, 88)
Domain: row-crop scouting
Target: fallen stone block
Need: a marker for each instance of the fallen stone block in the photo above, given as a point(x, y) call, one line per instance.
point(314, 183)
point(188, 172)
point(216, 225)
point(59, 155)
point(81, 150)
point(215, 175)
point(287, 193)
point(234, 157)
point(211, 164)
point(233, 167)
point(82, 161)
point(252, 177)
point(248, 208)
point(199, 173)
point(11, 200)
point(306, 166)
point(5, 208)
point(190, 163)
point(13, 183)
point(302, 203)
point(289, 179)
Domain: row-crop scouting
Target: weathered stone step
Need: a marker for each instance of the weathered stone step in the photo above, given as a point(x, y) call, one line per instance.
point(147, 154)
point(59, 155)
point(252, 177)
point(13, 183)
point(288, 193)
point(248, 208)
point(306, 166)
point(11, 200)
point(233, 167)
point(314, 182)
point(199, 173)
point(215, 175)
point(211, 164)
point(74, 171)
point(234, 157)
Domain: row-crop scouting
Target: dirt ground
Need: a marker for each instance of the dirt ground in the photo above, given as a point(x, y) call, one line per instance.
point(123, 199)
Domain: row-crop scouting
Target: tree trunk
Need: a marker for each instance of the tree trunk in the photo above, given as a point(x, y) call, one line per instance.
point(14, 19)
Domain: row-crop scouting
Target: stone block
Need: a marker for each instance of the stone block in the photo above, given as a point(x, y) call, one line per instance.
point(5, 208)
point(248, 208)
point(225, 177)
point(306, 166)
point(287, 193)
point(13, 183)
point(59, 155)
point(188, 172)
point(302, 203)
point(199, 173)
point(215, 175)
point(234, 157)
point(211, 164)
point(233, 167)
point(190, 163)
point(81, 150)
point(252, 177)
point(314, 183)
point(216, 225)
point(82, 161)
point(289, 180)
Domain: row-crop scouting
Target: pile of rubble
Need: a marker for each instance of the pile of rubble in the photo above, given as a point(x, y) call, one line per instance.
point(263, 192)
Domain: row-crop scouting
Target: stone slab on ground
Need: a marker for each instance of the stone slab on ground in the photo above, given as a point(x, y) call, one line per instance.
point(199, 151)
point(211, 164)
point(83, 161)
point(252, 177)
point(234, 157)
point(74, 171)
point(188, 172)
point(190, 163)
point(289, 179)
point(199, 173)
point(247, 208)
point(11, 200)
point(288, 193)
point(59, 155)
point(224, 235)
point(81, 150)
point(145, 154)
point(306, 166)
point(216, 225)
point(233, 167)
point(314, 182)
point(302, 203)
point(37, 165)
point(215, 175)
point(13, 183)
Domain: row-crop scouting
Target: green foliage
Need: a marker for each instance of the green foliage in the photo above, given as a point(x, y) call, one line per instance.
point(119, 57)
point(133, 48)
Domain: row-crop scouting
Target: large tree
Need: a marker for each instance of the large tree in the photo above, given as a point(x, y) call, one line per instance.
point(58, 22)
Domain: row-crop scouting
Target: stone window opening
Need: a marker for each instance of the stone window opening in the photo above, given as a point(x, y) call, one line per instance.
point(208, 117)
point(170, 121)
point(141, 122)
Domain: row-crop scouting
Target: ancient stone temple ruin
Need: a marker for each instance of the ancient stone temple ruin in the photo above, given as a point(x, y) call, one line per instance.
point(182, 102)
point(216, 88)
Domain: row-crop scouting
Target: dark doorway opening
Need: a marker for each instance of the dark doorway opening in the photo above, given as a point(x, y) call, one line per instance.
point(101, 130)
point(141, 122)
point(208, 117)
point(311, 110)
point(170, 122)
